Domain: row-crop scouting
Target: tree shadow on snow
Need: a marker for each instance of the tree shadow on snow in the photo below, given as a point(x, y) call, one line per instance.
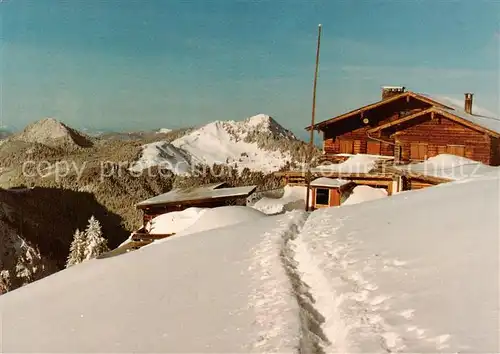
point(48, 217)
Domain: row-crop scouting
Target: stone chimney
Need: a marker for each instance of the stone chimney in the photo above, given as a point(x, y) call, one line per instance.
point(391, 91)
point(468, 102)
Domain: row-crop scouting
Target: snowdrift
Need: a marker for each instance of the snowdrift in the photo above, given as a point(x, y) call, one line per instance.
point(214, 218)
point(451, 166)
point(175, 221)
point(294, 197)
point(193, 220)
point(417, 272)
point(362, 194)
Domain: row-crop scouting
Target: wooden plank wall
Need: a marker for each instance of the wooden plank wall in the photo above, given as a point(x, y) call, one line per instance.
point(441, 132)
point(353, 129)
point(441, 135)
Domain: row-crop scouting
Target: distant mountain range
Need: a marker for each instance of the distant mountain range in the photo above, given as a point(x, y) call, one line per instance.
point(40, 208)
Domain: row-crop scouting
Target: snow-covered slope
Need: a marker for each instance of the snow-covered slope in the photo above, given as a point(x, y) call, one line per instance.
point(416, 272)
point(222, 142)
point(221, 291)
point(163, 154)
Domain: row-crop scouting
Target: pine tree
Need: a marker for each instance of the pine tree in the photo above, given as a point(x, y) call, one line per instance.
point(77, 249)
point(95, 243)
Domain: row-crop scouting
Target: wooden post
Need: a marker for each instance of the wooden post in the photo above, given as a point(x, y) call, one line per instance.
point(311, 139)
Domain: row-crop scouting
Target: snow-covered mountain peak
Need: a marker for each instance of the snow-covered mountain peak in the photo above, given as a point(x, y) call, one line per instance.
point(260, 124)
point(265, 124)
point(259, 120)
point(254, 142)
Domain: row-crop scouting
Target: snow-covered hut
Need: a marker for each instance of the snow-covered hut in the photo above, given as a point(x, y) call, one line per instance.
point(328, 192)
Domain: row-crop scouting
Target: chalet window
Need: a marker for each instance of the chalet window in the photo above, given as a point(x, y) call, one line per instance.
point(346, 147)
point(373, 147)
point(322, 196)
point(418, 151)
point(458, 150)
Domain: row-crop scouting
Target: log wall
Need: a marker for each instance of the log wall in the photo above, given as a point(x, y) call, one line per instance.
point(415, 140)
point(442, 135)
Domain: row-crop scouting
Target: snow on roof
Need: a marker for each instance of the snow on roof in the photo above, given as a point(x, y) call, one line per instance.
point(172, 297)
point(483, 118)
point(209, 191)
point(451, 167)
point(359, 163)
point(414, 273)
point(489, 123)
point(329, 182)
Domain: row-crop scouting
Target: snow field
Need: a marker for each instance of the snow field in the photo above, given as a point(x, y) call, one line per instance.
point(385, 282)
point(222, 290)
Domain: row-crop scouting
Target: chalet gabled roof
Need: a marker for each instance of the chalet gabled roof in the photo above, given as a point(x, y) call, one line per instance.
point(370, 106)
point(207, 192)
point(487, 122)
point(490, 125)
point(467, 120)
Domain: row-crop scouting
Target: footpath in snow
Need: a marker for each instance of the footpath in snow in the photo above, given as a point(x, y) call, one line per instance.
point(223, 290)
point(415, 273)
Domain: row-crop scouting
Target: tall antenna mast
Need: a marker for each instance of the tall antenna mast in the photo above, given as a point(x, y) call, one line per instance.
point(311, 139)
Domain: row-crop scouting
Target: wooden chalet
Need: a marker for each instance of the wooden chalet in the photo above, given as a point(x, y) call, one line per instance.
point(413, 127)
point(206, 196)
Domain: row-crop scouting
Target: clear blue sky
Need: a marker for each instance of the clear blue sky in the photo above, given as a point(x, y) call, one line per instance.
point(169, 63)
